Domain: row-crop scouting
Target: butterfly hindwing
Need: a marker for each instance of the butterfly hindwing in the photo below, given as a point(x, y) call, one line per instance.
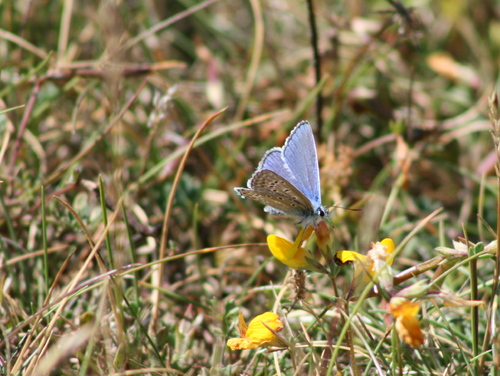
point(272, 190)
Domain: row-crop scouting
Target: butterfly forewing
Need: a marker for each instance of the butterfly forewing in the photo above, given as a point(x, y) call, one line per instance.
point(299, 154)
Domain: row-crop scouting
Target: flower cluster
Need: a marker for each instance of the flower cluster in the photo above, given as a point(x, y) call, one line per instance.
point(372, 270)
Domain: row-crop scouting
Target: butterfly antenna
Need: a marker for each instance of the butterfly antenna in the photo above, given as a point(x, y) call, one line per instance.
point(340, 207)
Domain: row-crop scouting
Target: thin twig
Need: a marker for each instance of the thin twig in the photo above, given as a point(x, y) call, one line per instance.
point(317, 65)
point(4, 34)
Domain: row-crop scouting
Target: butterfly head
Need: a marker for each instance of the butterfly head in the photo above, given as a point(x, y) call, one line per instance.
point(320, 215)
point(322, 212)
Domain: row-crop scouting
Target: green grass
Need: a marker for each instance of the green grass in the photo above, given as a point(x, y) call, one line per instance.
point(123, 247)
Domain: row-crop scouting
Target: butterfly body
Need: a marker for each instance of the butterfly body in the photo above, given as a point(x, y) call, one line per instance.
point(287, 179)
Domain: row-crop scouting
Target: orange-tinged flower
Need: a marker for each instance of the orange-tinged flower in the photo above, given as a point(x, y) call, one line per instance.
point(407, 324)
point(260, 332)
point(323, 236)
point(289, 253)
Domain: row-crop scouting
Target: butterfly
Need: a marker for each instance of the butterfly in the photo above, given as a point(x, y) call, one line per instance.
point(287, 179)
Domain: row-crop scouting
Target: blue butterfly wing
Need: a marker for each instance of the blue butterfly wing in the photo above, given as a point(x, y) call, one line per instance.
point(273, 160)
point(301, 159)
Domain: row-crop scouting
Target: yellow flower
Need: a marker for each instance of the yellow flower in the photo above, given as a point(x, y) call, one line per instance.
point(289, 253)
point(345, 257)
point(375, 261)
point(260, 332)
point(407, 324)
